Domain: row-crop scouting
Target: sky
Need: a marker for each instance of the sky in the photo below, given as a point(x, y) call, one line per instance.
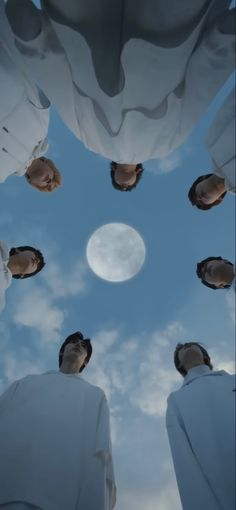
point(134, 325)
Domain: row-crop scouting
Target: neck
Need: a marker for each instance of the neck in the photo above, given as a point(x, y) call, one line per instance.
point(13, 265)
point(128, 168)
point(231, 274)
point(217, 183)
point(192, 364)
point(70, 367)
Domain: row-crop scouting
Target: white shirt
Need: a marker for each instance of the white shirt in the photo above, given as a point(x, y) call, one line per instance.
point(24, 110)
point(221, 143)
point(200, 423)
point(55, 449)
point(162, 90)
point(5, 273)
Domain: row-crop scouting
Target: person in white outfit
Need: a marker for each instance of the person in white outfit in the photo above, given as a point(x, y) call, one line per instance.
point(21, 262)
point(216, 273)
point(24, 120)
point(209, 190)
point(200, 423)
point(55, 448)
point(129, 79)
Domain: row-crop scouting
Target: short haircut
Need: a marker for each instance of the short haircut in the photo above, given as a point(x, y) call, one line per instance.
point(192, 195)
point(115, 185)
point(37, 253)
point(179, 367)
point(73, 338)
point(57, 179)
point(199, 271)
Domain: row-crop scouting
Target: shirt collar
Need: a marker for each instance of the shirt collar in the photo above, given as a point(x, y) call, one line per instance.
point(196, 372)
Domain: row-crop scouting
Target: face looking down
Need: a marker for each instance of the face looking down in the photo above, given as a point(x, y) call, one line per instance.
point(218, 272)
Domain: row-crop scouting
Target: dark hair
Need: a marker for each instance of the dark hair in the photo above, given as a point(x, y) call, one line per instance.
point(73, 338)
point(38, 254)
point(193, 199)
point(180, 368)
point(199, 271)
point(115, 185)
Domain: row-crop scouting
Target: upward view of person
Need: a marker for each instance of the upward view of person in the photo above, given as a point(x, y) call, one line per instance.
point(200, 423)
point(24, 120)
point(20, 263)
point(55, 439)
point(209, 190)
point(130, 80)
point(129, 98)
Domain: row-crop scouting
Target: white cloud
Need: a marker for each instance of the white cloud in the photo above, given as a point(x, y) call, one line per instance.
point(166, 498)
point(15, 368)
point(171, 162)
point(69, 282)
point(140, 367)
point(157, 373)
point(37, 310)
point(230, 300)
point(225, 364)
point(165, 165)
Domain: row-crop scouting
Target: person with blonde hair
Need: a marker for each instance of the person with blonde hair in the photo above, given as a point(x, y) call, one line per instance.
point(24, 120)
point(130, 79)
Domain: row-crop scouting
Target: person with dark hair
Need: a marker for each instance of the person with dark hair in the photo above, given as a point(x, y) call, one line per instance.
point(209, 190)
point(20, 263)
point(216, 273)
point(200, 422)
point(22, 104)
point(125, 177)
point(129, 80)
point(55, 438)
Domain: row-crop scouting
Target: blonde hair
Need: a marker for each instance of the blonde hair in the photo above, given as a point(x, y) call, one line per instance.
point(57, 179)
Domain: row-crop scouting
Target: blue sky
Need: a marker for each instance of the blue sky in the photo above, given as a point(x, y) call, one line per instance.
point(134, 325)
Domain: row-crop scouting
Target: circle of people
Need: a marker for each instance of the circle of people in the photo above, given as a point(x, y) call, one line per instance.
point(130, 81)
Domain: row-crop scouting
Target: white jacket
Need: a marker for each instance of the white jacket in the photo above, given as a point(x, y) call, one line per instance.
point(5, 273)
point(24, 111)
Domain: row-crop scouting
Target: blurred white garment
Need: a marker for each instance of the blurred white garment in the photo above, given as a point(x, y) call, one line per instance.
point(24, 110)
point(5, 273)
point(129, 80)
point(19, 506)
point(221, 143)
point(55, 449)
point(200, 423)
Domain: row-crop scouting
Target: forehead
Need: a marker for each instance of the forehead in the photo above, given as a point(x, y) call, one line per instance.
point(25, 252)
point(188, 344)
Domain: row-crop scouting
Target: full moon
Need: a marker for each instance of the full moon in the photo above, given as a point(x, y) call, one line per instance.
point(115, 252)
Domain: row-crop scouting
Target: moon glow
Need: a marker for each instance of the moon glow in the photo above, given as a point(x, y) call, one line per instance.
point(115, 252)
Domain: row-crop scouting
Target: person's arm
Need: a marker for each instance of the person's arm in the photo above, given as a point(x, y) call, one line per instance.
point(210, 65)
point(194, 489)
point(220, 142)
point(104, 449)
point(7, 396)
point(24, 18)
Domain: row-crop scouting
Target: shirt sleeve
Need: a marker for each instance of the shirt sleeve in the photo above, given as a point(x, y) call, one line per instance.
point(221, 142)
point(210, 65)
point(194, 488)
point(104, 450)
point(7, 397)
point(24, 18)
